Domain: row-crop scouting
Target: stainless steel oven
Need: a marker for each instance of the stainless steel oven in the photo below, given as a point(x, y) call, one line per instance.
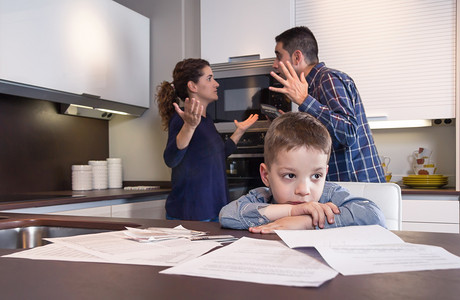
point(243, 165)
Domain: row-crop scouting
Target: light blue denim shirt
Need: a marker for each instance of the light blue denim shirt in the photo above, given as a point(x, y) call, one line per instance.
point(244, 212)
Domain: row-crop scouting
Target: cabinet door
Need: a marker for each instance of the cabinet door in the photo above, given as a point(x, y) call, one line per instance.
point(95, 47)
point(381, 44)
point(102, 211)
point(144, 210)
point(240, 27)
point(431, 215)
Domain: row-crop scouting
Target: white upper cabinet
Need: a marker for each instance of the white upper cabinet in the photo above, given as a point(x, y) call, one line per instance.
point(401, 54)
point(95, 47)
point(240, 27)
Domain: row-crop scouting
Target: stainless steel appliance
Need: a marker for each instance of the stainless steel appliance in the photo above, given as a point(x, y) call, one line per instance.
point(243, 165)
point(243, 87)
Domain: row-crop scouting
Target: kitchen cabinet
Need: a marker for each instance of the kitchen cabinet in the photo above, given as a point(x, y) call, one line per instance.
point(99, 49)
point(152, 207)
point(430, 213)
point(143, 210)
point(241, 28)
point(383, 56)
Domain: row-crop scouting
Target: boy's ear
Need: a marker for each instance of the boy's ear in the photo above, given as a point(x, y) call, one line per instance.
point(263, 169)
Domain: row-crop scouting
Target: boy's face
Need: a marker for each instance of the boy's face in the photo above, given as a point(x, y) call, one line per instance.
point(296, 176)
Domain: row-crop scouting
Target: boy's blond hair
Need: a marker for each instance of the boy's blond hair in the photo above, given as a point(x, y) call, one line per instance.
point(293, 130)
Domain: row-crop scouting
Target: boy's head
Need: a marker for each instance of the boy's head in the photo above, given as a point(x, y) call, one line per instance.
point(296, 153)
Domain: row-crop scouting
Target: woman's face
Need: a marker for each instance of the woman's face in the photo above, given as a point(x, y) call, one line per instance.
point(205, 90)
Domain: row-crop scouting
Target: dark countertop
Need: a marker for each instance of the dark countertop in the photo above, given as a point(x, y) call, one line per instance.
point(69, 197)
point(47, 279)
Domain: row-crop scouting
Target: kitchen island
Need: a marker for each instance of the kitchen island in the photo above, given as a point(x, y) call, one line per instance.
point(41, 279)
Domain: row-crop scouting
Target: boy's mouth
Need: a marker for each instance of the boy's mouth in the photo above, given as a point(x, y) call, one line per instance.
point(296, 202)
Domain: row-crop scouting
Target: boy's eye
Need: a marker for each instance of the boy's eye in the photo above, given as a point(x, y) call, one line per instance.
point(317, 176)
point(289, 176)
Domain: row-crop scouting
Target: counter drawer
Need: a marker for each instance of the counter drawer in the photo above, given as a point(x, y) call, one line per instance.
point(430, 211)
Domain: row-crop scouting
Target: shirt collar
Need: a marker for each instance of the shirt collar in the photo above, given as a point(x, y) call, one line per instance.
point(311, 76)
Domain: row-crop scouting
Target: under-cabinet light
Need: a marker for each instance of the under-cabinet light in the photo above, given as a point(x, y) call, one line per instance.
point(399, 124)
point(113, 111)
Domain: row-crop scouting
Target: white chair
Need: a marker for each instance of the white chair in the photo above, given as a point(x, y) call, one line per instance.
point(387, 196)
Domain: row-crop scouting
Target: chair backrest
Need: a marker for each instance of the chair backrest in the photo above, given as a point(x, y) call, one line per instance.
point(387, 196)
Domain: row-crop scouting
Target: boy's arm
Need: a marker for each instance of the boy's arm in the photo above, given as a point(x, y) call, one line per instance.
point(353, 210)
point(319, 212)
point(244, 212)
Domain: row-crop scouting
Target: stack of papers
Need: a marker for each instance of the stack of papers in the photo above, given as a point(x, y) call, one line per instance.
point(152, 234)
point(115, 247)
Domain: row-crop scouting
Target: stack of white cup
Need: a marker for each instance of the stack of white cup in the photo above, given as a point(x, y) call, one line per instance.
point(99, 174)
point(114, 168)
point(82, 178)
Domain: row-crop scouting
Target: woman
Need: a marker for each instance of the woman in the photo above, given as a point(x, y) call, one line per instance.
point(195, 151)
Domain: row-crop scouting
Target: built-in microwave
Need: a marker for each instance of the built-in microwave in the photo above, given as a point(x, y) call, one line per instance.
point(243, 87)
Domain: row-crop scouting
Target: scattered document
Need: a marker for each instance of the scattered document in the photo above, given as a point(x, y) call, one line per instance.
point(114, 247)
point(357, 260)
point(259, 261)
point(370, 249)
point(349, 235)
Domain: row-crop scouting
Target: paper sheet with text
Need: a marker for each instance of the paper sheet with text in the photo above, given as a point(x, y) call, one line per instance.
point(356, 250)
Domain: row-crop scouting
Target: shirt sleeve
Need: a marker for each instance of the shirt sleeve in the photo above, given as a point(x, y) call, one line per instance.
point(353, 210)
point(230, 147)
point(173, 155)
point(244, 212)
point(338, 115)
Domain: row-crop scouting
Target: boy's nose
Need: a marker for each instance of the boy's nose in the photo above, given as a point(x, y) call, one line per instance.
point(275, 64)
point(303, 188)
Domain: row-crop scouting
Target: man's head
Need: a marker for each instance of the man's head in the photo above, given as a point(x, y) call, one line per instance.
point(294, 44)
point(296, 154)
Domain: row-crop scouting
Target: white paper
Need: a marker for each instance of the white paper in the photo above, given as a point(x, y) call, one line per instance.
point(371, 249)
point(356, 260)
point(113, 247)
point(260, 261)
point(350, 235)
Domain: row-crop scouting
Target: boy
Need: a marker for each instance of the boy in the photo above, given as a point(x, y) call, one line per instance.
point(296, 154)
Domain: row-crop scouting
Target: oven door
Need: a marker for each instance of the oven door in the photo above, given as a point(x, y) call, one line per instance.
point(243, 172)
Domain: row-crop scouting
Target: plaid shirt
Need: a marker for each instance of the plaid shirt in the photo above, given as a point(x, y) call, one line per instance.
point(334, 100)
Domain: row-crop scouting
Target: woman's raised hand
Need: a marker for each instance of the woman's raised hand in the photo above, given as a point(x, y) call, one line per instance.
point(192, 112)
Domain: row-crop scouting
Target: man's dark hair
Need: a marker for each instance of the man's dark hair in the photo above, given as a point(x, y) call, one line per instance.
point(300, 38)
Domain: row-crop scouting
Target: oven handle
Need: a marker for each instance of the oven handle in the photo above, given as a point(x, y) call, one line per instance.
point(246, 155)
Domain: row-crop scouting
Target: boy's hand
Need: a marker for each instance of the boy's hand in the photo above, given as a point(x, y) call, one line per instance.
point(318, 212)
point(297, 222)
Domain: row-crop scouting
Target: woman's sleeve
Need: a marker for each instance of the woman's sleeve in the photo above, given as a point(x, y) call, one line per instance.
point(173, 155)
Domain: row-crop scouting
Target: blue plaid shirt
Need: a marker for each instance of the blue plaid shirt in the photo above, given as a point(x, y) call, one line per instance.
point(334, 100)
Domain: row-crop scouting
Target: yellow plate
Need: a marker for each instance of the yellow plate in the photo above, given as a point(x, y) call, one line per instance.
point(424, 180)
point(425, 185)
point(425, 176)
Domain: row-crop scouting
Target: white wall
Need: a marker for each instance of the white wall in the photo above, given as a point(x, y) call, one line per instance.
point(398, 144)
point(175, 34)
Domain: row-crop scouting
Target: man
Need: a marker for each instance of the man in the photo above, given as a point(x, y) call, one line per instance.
point(332, 97)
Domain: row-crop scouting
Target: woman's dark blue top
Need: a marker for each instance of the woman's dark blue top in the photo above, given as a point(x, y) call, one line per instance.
point(199, 180)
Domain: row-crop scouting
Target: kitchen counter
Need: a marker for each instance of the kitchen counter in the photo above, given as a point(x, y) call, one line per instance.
point(71, 197)
point(42, 279)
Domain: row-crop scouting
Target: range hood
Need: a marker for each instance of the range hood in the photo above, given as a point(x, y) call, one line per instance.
point(84, 105)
